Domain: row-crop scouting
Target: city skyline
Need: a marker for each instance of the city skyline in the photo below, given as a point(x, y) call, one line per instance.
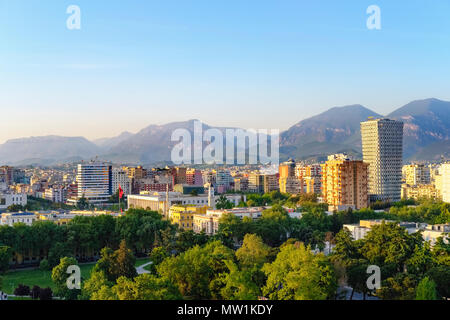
point(177, 61)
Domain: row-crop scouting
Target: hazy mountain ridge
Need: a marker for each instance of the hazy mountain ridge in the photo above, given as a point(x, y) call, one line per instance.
point(426, 137)
point(42, 150)
point(111, 142)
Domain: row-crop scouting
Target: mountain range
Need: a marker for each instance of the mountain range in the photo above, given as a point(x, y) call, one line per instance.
point(426, 138)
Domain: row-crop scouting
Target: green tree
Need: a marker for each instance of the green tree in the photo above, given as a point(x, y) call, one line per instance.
point(106, 264)
point(399, 287)
point(253, 252)
point(426, 290)
point(187, 239)
point(441, 276)
point(299, 274)
point(357, 277)
point(224, 203)
point(15, 208)
point(60, 276)
point(94, 285)
point(441, 252)
point(146, 287)
point(44, 265)
point(105, 293)
point(238, 284)
point(345, 248)
point(5, 258)
point(124, 262)
point(275, 213)
point(388, 243)
point(193, 270)
point(157, 256)
point(421, 260)
point(115, 264)
point(83, 203)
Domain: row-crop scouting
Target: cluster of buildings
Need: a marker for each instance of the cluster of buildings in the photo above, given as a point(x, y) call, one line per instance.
point(426, 181)
point(205, 219)
point(188, 196)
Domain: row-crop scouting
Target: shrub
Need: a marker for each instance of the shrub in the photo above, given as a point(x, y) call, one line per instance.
point(35, 292)
point(22, 290)
point(44, 265)
point(46, 294)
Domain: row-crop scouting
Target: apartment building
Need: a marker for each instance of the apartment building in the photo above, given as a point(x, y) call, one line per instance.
point(120, 178)
point(183, 215)
point(445, 172)
point(420, 191)
point(344, 183)
point(57, 194)
point(415, 174)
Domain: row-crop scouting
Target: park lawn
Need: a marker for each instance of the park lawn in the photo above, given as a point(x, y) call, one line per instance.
point(43, 279)
point(37, 277)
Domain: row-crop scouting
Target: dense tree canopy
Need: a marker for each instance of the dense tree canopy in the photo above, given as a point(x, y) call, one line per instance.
point(299, 274)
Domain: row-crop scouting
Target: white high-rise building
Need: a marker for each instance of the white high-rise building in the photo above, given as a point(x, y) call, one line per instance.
point(382, 146)
point(445, 172)
point(120, 178)
point(94, 181)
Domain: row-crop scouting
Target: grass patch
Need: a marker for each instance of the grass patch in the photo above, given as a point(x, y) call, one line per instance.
point(43, 279)
point(36, 277)
point(141, 261)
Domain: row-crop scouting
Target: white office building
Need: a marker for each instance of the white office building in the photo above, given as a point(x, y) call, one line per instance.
point(94, 181)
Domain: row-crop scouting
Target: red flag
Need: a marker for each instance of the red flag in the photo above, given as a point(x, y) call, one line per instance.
point(120, 192)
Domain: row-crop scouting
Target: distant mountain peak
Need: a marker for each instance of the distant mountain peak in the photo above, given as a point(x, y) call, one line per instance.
point(337, 130)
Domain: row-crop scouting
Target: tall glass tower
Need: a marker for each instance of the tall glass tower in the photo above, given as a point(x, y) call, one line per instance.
point(382, 146)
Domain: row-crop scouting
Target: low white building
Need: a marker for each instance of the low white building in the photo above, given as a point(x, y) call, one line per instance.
point(433, 232)
point(162, 201)
point(9, 199)
point(10, 219)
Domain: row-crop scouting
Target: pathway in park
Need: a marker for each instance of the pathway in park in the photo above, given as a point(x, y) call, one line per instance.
point(141, 269)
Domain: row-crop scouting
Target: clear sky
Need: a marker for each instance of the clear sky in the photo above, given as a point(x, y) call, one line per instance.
point(247, 63)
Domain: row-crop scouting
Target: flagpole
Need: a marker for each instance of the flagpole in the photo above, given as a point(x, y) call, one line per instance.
point(119, 198)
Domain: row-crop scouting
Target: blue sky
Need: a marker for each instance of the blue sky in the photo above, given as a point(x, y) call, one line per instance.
point(253, 64)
